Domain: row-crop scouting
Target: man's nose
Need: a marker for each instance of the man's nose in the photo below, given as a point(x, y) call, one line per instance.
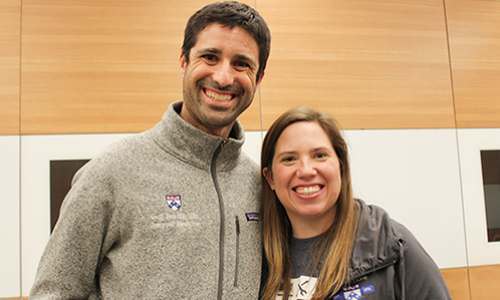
point(223, 74)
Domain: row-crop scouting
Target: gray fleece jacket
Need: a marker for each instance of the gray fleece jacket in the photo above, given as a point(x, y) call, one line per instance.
point(171, 213)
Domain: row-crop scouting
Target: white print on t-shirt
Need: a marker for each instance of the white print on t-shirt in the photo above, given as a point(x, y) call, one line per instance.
point(302, 288)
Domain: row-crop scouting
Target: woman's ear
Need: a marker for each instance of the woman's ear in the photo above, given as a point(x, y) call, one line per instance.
point(269, 177)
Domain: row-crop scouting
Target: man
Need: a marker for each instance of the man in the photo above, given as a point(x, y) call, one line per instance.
point(172, 213)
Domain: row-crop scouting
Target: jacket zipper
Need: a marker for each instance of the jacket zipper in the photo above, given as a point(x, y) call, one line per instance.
point(403, 272)
point(237, 252)
point(213, 170)
point(391, 262)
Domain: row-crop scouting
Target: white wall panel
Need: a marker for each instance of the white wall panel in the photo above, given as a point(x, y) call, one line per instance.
point(414, 175)
point(471, 142)
point(10, 278)
point(253, 144)
point(36, 154)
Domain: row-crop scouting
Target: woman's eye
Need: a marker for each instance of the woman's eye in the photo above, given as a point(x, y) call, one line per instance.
point(320, 155)
point(287, 159)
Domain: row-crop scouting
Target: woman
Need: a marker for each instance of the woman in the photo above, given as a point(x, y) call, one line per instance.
point(320, 243)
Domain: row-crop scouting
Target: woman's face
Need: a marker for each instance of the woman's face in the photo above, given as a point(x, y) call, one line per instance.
point(306, 177)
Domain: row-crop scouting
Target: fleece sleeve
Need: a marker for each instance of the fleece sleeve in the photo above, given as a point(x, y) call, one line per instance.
point(67, 269)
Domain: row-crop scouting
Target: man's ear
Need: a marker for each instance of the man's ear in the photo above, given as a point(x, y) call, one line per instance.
point(260, 79)
point(182, 61)
point(269, 177)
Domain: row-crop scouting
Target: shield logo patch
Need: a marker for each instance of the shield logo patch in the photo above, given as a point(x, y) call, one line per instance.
point(174, 202)
point(353, 295)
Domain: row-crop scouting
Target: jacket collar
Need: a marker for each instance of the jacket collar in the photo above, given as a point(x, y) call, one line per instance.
point(194, 146)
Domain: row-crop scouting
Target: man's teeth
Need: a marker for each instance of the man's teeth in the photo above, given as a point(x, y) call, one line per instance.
point(308, 190)
point(219, 97)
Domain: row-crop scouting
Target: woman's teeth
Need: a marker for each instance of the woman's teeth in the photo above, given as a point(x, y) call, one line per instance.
point(308, 190)
point(219, 97)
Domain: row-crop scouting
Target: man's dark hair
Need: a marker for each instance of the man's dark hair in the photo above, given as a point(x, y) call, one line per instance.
point(229, 14)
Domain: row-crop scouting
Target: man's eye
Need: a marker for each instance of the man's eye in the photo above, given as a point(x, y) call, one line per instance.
point(210, 57)
point(242, 65)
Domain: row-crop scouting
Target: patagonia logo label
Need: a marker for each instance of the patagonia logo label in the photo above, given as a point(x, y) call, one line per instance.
point(355, 292)
point(252, 217)
point(174, 202)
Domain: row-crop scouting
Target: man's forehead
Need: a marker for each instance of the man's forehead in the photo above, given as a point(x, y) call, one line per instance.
point(215, 26)
point(244, 46)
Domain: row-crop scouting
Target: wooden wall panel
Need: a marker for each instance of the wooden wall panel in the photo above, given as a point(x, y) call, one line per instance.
point(458, 283)
point(10, 36)
point(101, 66)
point(373, 64)
point(484, 282)
point(475, 61)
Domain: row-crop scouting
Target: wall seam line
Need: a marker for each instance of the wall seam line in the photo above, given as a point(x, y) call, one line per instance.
point(20, 151)
point(447, 32)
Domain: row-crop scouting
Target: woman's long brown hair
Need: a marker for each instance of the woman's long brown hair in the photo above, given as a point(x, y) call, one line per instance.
point(335, 245)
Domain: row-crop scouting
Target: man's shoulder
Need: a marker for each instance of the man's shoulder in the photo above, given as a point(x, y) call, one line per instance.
point(248, 165)
point(121, 151)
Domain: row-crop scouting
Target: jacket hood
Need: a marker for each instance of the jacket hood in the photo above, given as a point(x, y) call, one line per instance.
point(377, 243)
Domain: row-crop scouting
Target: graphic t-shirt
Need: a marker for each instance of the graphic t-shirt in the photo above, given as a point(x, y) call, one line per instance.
point(303, 283)
point(304, 274)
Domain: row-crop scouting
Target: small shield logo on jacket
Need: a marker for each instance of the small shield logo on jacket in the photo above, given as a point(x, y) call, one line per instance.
point(174, 202)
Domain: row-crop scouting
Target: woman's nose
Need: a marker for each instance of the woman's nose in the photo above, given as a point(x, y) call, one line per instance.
point(306, 168)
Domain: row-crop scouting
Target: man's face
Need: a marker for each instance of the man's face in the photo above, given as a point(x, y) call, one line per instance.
point(220, 80)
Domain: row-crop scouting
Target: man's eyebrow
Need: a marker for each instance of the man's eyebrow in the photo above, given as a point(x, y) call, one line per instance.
point(209, 50)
